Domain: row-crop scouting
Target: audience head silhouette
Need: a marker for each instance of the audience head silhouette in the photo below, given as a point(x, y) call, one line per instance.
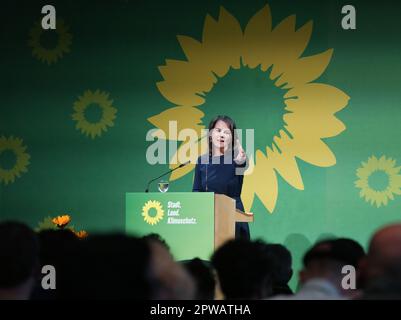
point(244, 269)
point(19, 260)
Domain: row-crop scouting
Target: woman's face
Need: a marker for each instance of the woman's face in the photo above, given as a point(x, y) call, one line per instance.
point(221, 135)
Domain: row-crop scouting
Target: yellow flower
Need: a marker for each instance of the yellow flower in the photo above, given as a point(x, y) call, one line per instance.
point(387, 167)
point(15, 145)
point(309, 107)
point(61, 221)
point(53, 54)
point(159, 212)
point(81, 234)
point(101, 100)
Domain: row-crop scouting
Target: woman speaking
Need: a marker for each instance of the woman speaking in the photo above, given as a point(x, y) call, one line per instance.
point(216, 171)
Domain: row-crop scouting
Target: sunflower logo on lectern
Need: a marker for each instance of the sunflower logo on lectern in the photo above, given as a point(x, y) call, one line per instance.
point(308, 107)
point(149, 216)
point(100, 101)
point(378, 192)
point(53, 54)
point(21, 162)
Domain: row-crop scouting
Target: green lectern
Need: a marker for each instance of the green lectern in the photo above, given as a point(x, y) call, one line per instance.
point(192, 223)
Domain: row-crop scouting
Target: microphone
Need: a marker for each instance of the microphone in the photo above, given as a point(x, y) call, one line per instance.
point(166, 173)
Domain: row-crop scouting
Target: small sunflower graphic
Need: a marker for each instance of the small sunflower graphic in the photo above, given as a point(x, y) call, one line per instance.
point(308, 107)
point(50, 55)
point(152, 220)
point(102, 102)
point(46, 224)
point(378, 195)
point(15, 145)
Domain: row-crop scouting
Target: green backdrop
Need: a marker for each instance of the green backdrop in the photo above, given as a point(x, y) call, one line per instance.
point(116, 47)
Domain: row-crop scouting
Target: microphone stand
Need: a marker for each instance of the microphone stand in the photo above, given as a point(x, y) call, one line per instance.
point(166, 173)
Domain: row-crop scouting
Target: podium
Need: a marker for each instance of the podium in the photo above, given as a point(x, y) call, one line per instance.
point(193, 224)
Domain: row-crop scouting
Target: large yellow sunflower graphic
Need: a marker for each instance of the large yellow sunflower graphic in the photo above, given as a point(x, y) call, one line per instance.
point(149, 218)
point(21, 162)
point(388, 180)
point(101, 102)
point(53, 54)
point(308, 107)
